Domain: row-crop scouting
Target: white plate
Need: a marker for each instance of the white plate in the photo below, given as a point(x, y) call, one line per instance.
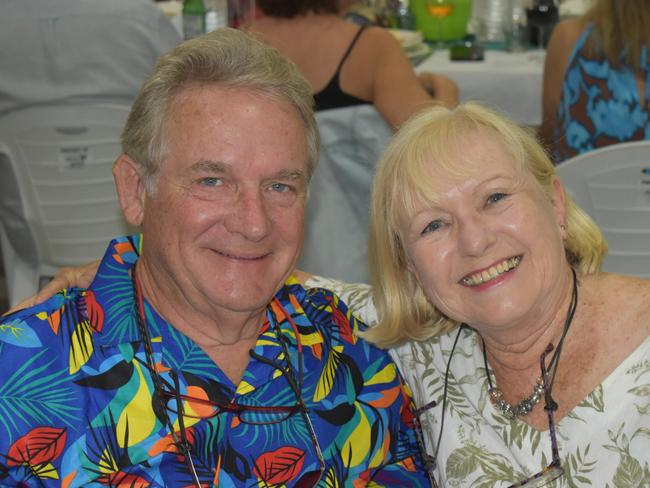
point(407, 38)
point(418, 50)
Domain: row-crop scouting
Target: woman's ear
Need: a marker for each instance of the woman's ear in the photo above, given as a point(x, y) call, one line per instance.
point(130, 189)
point(412, 269)
point(558, 200)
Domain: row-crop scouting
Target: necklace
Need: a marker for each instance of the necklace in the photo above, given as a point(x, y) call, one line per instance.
point(526, 406)
point(157, 401)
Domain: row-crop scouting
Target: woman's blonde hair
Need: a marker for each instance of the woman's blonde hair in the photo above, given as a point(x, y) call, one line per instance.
point(435, 136)
point(622, 30)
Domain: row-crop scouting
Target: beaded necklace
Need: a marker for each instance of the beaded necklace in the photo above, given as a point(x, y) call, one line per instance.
point(525, 406)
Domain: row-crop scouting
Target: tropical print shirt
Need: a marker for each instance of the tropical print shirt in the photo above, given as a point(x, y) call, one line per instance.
point(603, 442)
point(600, 103)
point(76, 396)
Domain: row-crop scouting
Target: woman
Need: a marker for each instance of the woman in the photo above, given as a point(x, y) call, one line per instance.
point(596, 79)
point(470, 225)
point(481, 261)
point(347, 64)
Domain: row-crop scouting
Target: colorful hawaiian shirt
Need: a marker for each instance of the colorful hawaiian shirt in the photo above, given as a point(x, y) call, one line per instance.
point(77, 405)
point(600, 102)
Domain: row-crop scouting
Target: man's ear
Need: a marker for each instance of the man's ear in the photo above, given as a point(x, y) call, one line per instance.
point(130, 189)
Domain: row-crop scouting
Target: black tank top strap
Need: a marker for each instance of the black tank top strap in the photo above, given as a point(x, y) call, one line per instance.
point(332, 96)
point(349, 50)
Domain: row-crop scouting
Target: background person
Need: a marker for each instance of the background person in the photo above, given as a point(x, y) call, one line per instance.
point(193, 358)
point(79, 50)
point(346, 64)
point(596, 79)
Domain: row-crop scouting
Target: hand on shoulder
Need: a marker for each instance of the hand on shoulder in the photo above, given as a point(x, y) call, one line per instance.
point(67, 277)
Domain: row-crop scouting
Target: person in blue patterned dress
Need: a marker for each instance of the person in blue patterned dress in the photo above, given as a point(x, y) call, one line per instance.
point(596, 79)
point(193, 358)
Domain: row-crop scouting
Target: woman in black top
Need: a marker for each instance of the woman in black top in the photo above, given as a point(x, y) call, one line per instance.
point(347, 64)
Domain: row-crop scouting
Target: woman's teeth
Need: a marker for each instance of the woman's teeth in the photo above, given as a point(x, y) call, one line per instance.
point(492, 272)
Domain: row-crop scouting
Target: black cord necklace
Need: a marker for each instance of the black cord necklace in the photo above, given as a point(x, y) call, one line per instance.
point(180, 441)
point(444, 392)
point(527, 404)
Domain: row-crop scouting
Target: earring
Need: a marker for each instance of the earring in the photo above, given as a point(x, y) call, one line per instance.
point(563, 227)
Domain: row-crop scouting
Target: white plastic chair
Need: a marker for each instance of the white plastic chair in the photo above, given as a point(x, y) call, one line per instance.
point(612, 185)
point(336, 220)
point(58, 204)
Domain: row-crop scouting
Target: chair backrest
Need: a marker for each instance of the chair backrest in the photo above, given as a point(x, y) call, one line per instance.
point(60, 207)
point(612, 185)
point(336, 220)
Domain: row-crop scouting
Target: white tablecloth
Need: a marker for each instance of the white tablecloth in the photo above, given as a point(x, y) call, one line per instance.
point(509, 82)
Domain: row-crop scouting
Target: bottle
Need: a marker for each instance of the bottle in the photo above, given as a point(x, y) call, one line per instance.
point(516, 29)
point(542, 18)
point(216, 14)
point(193, 18)
point(403, 16)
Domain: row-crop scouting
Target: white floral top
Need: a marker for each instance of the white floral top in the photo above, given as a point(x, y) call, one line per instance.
point(603, 442)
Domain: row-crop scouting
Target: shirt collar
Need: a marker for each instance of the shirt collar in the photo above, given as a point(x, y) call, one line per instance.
point(110, 303)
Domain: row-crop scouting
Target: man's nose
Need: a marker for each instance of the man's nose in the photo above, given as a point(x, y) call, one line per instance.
point(250, 216)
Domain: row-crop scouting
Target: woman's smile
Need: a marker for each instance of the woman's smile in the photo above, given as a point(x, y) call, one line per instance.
point(492, 272)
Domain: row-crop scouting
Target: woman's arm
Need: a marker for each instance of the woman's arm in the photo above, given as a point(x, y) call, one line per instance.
point(80, 277)
point(558, 53)
point(397, 91)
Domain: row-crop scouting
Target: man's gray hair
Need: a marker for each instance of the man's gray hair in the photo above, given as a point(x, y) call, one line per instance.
point(230, 58)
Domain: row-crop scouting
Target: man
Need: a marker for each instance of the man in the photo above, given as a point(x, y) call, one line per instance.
point(79, 50)
point(193, 358)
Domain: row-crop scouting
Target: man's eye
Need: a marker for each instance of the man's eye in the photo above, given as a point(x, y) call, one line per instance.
point(432, 227)
point(280, 187)
point(495, 197)
point(210, 181)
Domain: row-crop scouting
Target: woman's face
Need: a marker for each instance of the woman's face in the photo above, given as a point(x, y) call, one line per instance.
point(489, 251)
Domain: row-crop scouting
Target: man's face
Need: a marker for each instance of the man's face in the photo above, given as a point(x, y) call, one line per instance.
point(224, 226)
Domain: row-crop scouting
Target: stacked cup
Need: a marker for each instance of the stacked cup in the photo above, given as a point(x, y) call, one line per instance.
point(489, 19)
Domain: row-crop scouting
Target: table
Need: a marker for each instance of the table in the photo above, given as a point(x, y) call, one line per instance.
point(509, 82)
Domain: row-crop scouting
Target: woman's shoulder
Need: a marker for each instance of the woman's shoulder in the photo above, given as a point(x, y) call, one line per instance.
point(565, 35)
point(570, 28)
point(626, 299)
point(626, 285)
point(357, 296)
point(377, 38)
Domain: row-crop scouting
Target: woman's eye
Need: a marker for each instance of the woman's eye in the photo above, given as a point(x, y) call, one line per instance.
point(432, 227)
point(495, 197)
